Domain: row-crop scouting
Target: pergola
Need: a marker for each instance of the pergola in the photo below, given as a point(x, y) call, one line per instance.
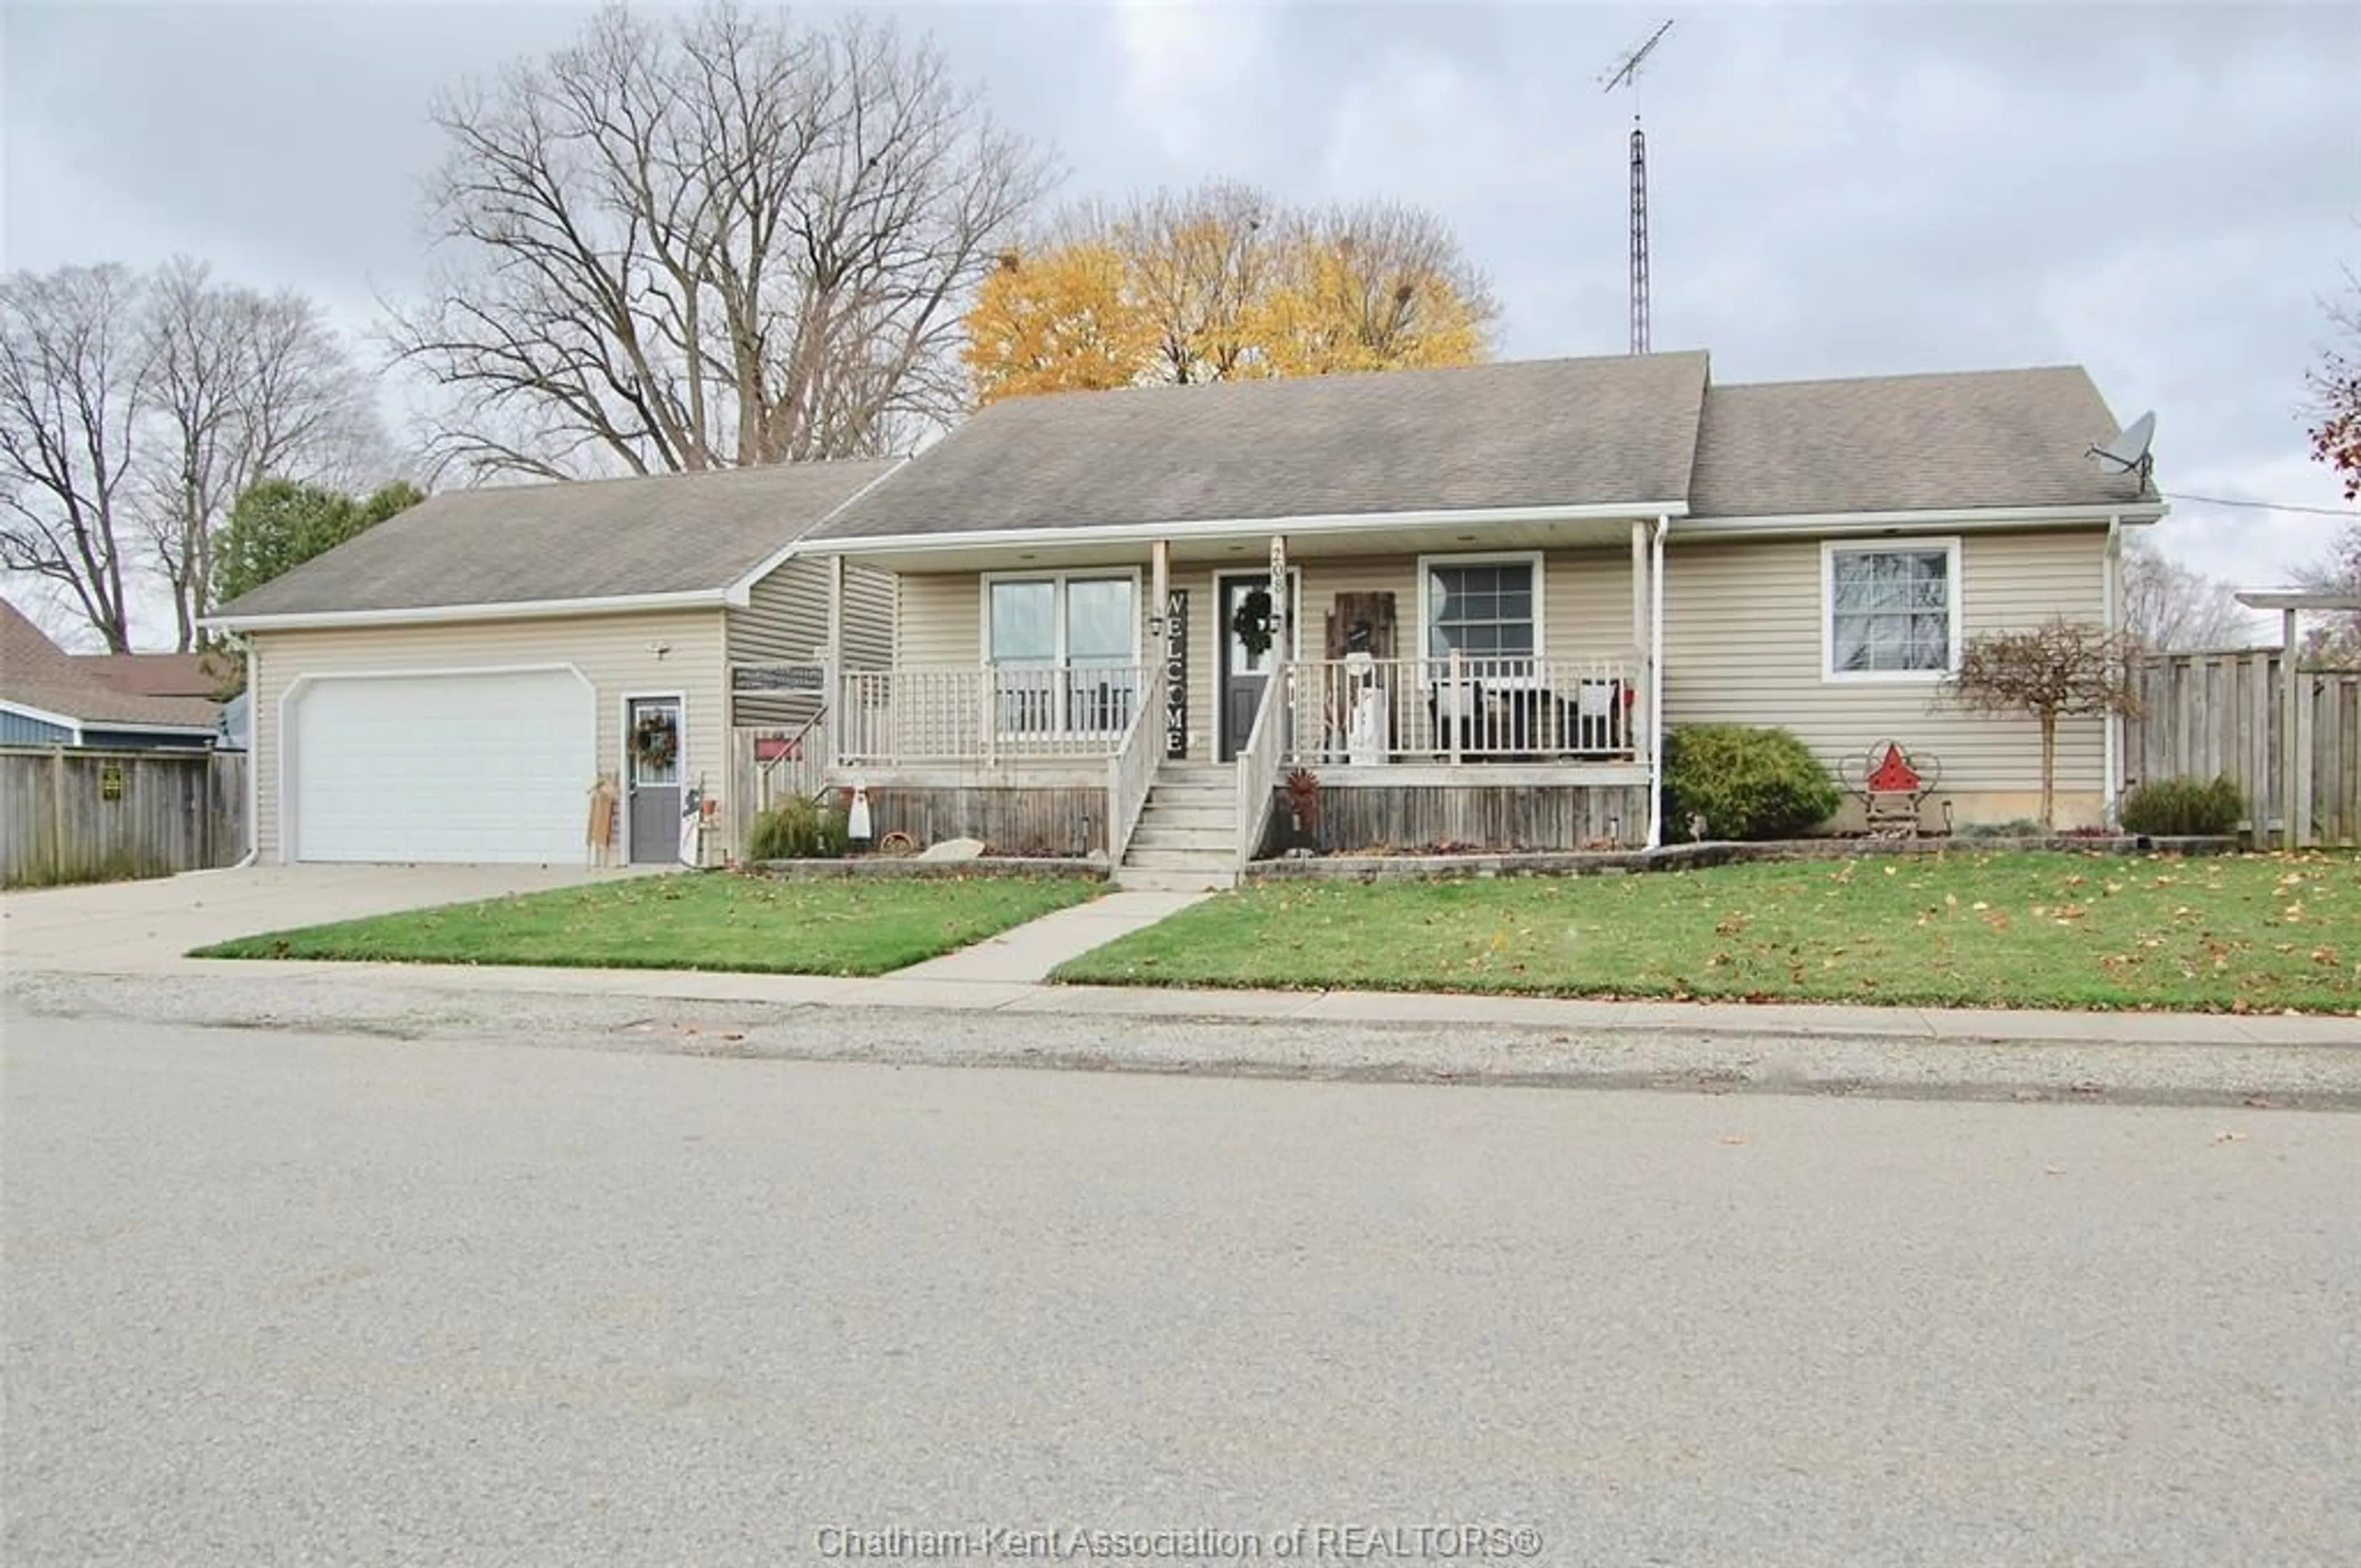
point(2295, 807)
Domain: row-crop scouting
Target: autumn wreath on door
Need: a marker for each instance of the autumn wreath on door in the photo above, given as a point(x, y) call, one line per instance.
point(655, 741)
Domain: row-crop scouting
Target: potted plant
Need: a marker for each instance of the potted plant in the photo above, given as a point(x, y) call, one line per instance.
point(1302, 790)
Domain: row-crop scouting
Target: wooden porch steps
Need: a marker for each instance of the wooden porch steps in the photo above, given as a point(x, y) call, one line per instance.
point(1188, 834)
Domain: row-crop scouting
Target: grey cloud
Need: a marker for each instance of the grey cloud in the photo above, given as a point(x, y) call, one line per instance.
point(2159, 192)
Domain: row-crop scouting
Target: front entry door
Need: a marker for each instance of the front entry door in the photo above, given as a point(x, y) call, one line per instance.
point(1242, 674)
point(652, 740)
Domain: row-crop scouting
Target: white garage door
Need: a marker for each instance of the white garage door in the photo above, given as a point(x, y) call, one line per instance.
point(453, 767)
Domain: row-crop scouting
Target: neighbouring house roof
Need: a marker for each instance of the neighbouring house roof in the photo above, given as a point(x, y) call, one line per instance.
point(1544, 432)
point(1986, 438)
point(38, 676)
point(158, 675)
point(595, 539)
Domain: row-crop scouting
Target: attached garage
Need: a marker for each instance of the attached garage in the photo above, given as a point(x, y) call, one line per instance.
point(456, 684)
point(469, 767)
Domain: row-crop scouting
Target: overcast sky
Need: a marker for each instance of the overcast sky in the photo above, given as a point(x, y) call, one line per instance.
point(2164, 195)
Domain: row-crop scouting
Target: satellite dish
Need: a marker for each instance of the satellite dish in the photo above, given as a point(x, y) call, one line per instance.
point(2127, 453)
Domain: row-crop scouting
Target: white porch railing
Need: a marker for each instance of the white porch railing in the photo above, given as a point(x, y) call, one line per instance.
point(1258, 762)
point(1131, 771)
point(1462, 707)
point(987, 714)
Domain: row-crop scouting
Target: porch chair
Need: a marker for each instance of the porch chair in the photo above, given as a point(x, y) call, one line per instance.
point(1459, 703)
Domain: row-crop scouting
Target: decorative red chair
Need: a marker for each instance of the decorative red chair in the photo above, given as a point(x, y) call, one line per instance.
point(1893, 785)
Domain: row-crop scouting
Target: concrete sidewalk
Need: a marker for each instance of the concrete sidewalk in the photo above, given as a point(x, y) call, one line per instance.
point(949, 990)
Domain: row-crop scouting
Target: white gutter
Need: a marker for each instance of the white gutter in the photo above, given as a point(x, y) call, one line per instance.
point(1656, 688)
point(1236, 527)
point(521, 610)
point(1963, 521)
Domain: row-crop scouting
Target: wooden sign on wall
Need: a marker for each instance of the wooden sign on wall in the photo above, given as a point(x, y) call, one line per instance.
point(1176, 672)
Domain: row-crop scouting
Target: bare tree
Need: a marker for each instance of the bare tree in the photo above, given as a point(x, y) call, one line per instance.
point(2058, 669)
point(708, 240)
point(2334, 639)
point(2172, 608)
point(241, 386)
point(73, 372)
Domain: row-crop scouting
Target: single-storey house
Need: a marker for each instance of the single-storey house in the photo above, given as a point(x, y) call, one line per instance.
point(1469, 601)
point(52, 698)
point(455, 684)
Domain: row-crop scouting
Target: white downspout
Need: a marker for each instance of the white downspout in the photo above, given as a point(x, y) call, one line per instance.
point(2113, 725)
point(1656, 688)
point(253, 762)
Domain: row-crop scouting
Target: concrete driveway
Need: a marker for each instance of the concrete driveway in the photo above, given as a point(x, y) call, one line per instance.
point(131, 925)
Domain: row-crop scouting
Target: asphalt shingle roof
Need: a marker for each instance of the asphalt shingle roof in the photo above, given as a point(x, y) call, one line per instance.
point(1535, 432)
point(1985, 438)
point(37, 672)
point(590, 539)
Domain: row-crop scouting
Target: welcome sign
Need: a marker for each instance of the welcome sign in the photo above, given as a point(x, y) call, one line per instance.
point(1176, 672)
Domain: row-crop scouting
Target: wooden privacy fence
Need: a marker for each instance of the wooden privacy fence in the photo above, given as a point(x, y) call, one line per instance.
point(75, 815)
point(2295, 752)
point(767, 765)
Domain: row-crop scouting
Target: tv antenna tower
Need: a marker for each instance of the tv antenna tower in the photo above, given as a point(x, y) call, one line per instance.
point(1627, 74)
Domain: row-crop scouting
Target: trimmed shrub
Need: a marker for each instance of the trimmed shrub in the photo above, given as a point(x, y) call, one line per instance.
point(2184, 808)
point(1747, 783)
point(797, 829)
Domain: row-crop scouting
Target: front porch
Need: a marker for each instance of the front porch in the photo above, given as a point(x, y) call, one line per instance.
point(1489, 691)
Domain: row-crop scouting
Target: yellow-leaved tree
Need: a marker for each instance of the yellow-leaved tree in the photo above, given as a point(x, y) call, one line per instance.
point(1059, 322)
point(1216, 284)
point(1375, 289)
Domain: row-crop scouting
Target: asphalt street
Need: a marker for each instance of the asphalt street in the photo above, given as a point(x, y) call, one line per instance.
point(273, 1297)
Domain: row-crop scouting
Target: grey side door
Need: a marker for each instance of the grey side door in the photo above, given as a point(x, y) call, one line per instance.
point(651, 770)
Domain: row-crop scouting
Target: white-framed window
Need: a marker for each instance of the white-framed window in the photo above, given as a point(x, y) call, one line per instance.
point(1480, 607)
point(1889, 609)
point(1064, 648)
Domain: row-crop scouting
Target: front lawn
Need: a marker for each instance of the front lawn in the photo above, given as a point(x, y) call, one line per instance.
point(707, 921)
point(2258, 933)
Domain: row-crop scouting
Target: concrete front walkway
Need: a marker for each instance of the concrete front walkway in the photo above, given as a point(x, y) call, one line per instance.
point(1026, 954)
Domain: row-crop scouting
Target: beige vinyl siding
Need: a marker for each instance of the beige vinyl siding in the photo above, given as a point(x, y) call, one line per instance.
point(1586, 600)
point(786, 620)
point(613, 651)
point(1743, 645)
point(868, 618)
point(785, 617)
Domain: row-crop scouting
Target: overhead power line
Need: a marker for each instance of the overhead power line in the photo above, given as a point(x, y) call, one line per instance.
point(2264, 506)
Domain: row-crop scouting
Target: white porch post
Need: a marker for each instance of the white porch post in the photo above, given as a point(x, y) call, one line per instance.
point(1656, 686)
point(1282, 641)
point(1643, 713)
point(833, 681)
point(1159, 590)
